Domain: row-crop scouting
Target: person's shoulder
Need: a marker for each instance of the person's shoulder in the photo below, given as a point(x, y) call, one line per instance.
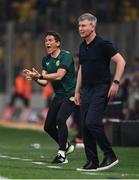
point(102, 40)
point(108, 47)
point(104, 43)
point(99, 39)
point(65, 52)
point(46, 58)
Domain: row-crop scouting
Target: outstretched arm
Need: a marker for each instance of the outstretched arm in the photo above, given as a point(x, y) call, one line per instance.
point(55, 76)
point(35, 75)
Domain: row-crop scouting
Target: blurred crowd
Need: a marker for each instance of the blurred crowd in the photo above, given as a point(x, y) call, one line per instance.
point(130, 92)
point(105, 10)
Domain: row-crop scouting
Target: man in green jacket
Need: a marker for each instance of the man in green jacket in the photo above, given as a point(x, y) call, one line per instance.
point(57, 68)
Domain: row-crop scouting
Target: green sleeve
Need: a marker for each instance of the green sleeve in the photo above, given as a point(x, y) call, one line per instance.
point(66, 61)
point(44, 67)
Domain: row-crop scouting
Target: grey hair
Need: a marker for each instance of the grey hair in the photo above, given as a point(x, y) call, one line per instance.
point(88, 16)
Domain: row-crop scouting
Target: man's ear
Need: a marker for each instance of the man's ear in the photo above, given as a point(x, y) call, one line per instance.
point(58, 43)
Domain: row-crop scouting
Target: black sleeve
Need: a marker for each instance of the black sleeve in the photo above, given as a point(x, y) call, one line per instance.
point(108, 49)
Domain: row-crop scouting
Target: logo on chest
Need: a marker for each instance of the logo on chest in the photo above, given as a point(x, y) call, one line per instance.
point(47, 63)
point(57, 63)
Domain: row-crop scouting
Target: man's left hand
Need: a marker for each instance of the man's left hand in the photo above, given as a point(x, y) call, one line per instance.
point(113, 90)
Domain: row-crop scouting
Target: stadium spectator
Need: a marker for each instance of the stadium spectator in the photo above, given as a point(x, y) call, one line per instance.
point(58, 68)
point(24, 9)
point(96, 88)
point(22, 90)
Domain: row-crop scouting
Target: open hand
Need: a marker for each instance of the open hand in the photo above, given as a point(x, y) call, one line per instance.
point(31, 75)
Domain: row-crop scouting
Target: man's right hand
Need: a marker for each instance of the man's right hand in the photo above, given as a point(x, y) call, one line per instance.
point(77, 99)
point(27, 74)
point(31, 75)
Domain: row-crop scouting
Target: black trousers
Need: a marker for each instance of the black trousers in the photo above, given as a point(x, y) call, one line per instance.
point(55, 124)
point(93, 103)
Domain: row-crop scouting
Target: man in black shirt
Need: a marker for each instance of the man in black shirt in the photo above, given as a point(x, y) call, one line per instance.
point(93, 89)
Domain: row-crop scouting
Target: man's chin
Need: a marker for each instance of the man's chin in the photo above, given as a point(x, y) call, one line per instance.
point(49, 52)
point(82, 36)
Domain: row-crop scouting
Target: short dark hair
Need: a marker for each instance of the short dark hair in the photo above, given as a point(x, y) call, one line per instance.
point(55, 34)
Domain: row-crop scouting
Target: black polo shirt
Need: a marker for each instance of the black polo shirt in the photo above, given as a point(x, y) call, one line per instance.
point(95, 61)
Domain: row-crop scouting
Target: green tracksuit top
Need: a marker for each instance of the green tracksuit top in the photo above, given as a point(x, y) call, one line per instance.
point(65, 86)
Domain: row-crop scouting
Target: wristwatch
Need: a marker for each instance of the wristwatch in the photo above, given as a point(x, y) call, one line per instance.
point(36, 78)
point(41, 77)
point(116, 81)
